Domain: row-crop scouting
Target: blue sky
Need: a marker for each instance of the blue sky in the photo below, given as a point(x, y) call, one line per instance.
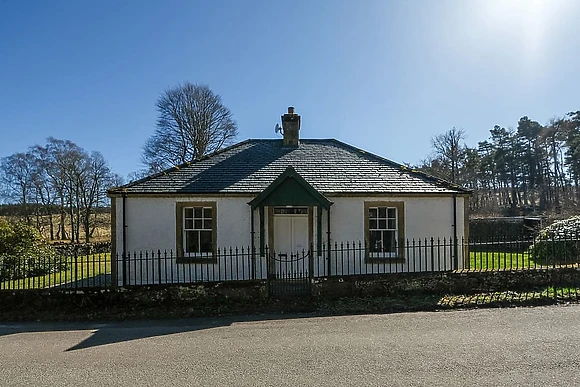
point(382, 75)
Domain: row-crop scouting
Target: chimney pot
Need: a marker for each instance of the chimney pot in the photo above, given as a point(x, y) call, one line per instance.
point(291, 126)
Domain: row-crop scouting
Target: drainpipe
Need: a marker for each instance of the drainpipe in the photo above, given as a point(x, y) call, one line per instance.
point(124, 239)
point(455, 247)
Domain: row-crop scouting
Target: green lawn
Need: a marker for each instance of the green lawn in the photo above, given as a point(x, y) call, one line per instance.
point(500, 260)
point(82, 269)
point(481, 260)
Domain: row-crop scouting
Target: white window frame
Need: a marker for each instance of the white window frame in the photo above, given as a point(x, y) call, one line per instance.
point(387, 218)
point(186, 230)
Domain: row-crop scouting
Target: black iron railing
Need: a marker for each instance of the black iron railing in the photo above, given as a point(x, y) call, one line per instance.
point(246, 264)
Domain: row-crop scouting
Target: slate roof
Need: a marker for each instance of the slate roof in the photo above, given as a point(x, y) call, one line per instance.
point(330, 166)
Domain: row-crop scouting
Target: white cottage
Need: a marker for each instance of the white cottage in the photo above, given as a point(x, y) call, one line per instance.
point(284, 202)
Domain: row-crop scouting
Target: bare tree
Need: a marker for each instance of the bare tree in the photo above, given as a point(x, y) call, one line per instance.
point(60, 177)
point(64, 163)
point(43, 188)
point(449, 149)
point(192, 122)
point(93, 183)
point(17, 178)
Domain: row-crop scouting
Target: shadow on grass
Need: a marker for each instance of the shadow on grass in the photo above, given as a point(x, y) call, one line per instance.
point(99, 280)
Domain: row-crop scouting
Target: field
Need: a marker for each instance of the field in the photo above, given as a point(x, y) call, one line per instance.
point(101, 233)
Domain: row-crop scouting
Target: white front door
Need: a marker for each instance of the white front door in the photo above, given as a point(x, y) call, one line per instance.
point(291, 242)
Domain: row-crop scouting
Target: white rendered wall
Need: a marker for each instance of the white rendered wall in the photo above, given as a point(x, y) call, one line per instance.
point(151, 226)
point(425, 218)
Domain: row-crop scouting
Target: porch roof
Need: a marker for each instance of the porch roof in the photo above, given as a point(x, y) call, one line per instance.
point(290, 189)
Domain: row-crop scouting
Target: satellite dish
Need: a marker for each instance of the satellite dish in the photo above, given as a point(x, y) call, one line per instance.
point(278, 129)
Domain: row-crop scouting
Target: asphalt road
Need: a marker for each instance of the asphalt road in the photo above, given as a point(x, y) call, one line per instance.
point(517, 347)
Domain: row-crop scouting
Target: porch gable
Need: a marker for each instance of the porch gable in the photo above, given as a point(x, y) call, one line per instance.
point(290, 189)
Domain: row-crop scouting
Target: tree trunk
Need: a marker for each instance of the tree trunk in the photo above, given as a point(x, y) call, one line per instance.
point(51, 225)
point(556, 179)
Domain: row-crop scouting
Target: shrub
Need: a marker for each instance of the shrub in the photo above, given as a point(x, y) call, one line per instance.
point(25, 253)
point(558, 243)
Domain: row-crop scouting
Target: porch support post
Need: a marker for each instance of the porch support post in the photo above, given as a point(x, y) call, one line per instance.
point(262, 231)
point(319, 230)
point(253, 243)
point(328, 239)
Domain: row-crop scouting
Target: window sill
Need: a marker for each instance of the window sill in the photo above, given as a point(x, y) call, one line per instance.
point(200, 259)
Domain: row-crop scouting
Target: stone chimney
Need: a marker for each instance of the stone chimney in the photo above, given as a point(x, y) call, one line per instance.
point(291, 127)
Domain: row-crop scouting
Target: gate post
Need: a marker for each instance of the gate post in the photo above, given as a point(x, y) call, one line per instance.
point(124, 261)
point(311, 263)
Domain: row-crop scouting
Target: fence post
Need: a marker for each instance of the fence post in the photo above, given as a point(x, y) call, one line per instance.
point(432, 255)
point(159, 265)
point(554, 250)
point(76, 280)
point(455, 253)
point(124, 259)
point(311, 262)
point(553, 273)
point(253, 260)
point(328, 258)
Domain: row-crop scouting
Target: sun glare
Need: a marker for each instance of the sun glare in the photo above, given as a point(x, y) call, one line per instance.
point(525, 25)
point(525, 20)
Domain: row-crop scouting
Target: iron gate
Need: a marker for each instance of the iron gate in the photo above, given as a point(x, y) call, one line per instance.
point(289, 274)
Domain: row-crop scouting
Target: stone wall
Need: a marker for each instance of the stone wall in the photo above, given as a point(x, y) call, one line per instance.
point(82, 248)
point(252, 296)
point(443, 283)
point(207, 296)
